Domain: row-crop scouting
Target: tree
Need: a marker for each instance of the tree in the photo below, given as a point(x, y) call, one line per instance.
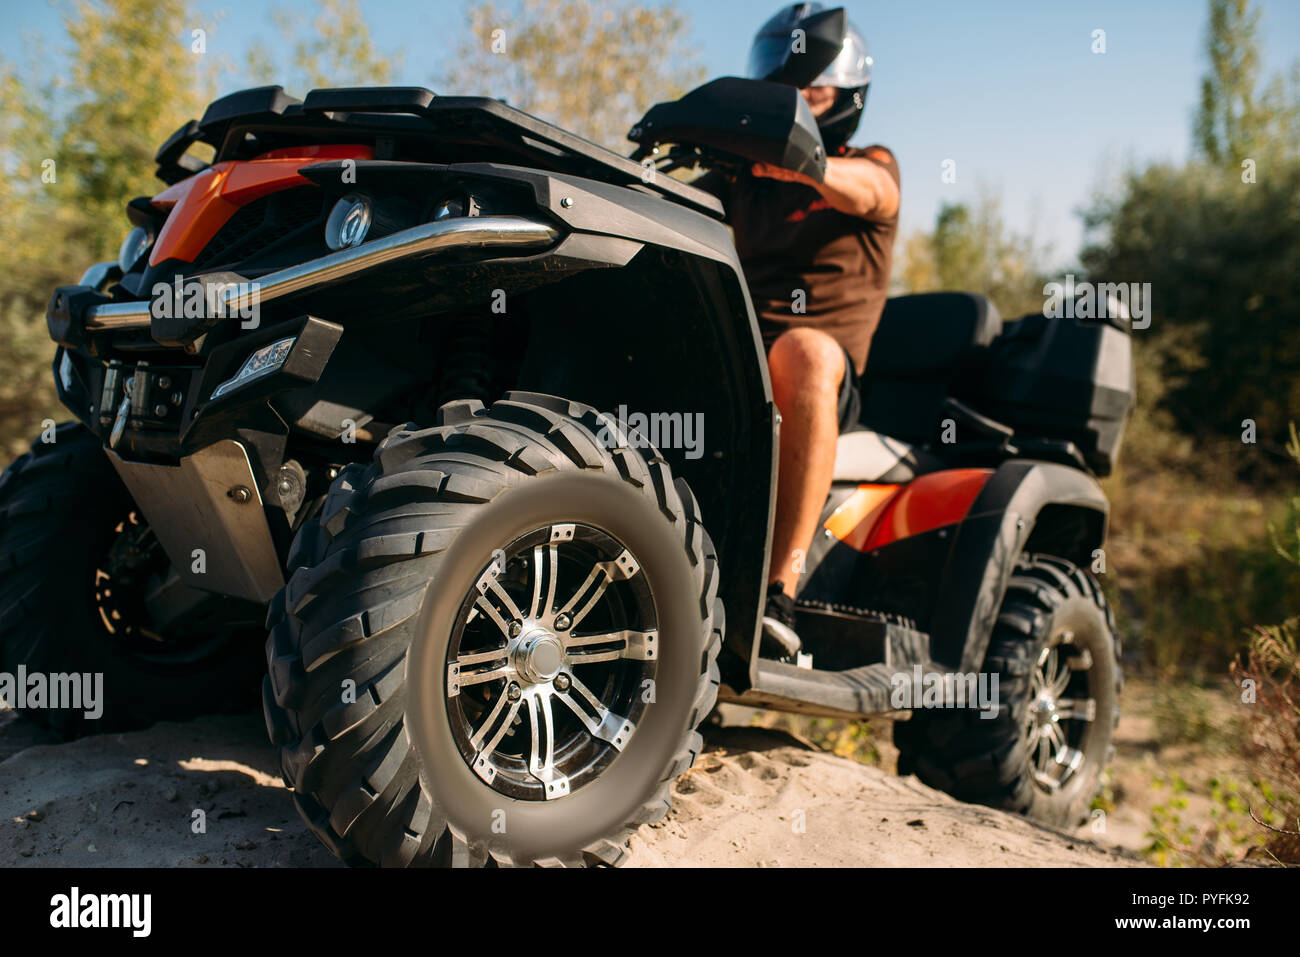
point(1221, 249)
point(1237, 118)
point(77, 141)
point(971, 250)
point(134, 77)
point(81, 142)
point(590, 67)
point(336, 50)
point(1223, 260)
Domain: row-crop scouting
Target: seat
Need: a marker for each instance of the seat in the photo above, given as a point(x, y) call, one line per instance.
point(924, 349)
point(931, 332)
point(863, 456)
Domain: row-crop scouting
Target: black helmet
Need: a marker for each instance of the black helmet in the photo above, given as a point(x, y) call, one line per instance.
point(828, 52)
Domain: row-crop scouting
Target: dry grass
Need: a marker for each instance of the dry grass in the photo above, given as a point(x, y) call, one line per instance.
point(1270, 678)
point(1190, 568)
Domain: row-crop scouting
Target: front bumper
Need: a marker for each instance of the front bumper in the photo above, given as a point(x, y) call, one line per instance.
point(76, 311)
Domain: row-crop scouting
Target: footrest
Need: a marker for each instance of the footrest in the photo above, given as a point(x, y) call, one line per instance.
point(840, 640)
point(853, 693)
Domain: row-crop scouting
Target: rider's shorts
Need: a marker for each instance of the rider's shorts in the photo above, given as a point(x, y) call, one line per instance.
point(850, 400)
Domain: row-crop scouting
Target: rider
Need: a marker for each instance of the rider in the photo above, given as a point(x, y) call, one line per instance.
point(817, 259)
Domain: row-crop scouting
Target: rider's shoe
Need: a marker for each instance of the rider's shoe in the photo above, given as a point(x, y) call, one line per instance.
point(779, 639)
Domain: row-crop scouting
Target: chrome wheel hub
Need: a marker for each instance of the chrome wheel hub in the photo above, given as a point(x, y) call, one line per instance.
point(552, 661)
point(1044, 710)
point(538, 656)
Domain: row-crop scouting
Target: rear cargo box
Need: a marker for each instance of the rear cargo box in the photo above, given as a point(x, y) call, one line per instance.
point(1062, 378)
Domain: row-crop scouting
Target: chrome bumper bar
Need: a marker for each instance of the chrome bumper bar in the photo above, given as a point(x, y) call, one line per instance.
point(482, 232)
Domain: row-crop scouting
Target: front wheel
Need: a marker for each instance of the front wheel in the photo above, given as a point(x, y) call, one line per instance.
point(94, 623)
point(1056, 656)
point(497, 644)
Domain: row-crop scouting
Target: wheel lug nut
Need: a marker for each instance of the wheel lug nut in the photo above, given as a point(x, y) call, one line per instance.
point(515, 628)
point(562, 622)
point(561, 682)
point(514, 693)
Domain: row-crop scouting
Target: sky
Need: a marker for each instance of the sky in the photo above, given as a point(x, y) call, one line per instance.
point(1010, 90)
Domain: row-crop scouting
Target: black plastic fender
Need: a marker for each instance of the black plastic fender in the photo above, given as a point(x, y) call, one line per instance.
point(1025, 506)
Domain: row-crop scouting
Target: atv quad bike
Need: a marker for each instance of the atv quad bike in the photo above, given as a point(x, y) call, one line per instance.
point(356, 377)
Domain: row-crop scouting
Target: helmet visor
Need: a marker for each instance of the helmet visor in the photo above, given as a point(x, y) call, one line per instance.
point(768, 56)
point(851, 67)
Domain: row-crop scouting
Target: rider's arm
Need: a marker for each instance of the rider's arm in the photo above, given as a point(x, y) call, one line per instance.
point(854, 185)
point(715, 182)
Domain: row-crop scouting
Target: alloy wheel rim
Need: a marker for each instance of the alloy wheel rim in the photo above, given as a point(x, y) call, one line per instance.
point(1060, 713)
point(550, 660)
point(133, 562)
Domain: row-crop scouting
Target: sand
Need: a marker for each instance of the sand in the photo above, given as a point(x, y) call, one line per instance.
point(756, 798)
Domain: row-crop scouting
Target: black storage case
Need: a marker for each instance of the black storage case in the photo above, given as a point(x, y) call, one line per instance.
point(1061, 378)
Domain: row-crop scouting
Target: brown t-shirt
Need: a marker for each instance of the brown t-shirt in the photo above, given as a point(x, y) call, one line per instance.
point(799, 253)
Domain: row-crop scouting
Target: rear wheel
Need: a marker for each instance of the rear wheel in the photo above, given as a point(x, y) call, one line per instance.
point(86, 589)
point(497, 644)
point(1056, 656)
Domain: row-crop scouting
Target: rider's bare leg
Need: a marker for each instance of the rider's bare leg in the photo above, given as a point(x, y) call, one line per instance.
point(806, 367)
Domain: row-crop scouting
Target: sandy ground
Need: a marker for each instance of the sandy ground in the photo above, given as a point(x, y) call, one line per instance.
point(760, 798)
point(128, 800)
point(757, 798)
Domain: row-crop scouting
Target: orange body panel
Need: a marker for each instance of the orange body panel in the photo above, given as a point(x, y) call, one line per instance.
point(876, 515)
point(853, 521)
point(201, 204)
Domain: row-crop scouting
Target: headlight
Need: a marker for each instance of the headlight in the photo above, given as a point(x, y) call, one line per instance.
point(261, 363)
point(349, 222)
point(137, 241)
